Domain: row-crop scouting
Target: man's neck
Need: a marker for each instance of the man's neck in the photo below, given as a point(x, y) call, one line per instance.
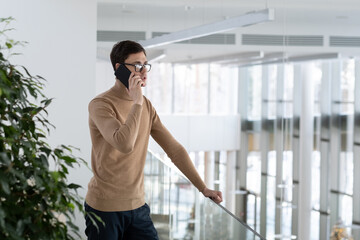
point(120, 90)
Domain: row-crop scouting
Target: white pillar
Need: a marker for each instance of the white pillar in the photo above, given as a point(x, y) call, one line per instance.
point(243, 153)
point(230, 181)
point(325, 105)
point(279, 144)
point(306, 149)
point(356, 192)
point(296, 148)
point(209, 170)
point(264, 148)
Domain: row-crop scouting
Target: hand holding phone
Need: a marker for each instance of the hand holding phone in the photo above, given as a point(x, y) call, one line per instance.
point(123, 73)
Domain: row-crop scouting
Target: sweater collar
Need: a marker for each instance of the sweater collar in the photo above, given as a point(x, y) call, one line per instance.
point(120, 90)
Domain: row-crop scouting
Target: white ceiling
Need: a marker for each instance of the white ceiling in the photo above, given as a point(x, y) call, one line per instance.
point(292, 17)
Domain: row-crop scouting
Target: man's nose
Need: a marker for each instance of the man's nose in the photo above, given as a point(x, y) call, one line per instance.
point(143, 69)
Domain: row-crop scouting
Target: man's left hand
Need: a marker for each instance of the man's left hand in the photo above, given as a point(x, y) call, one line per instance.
point(216, 196)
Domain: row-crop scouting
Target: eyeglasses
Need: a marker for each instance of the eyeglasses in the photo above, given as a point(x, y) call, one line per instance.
point(140, 67)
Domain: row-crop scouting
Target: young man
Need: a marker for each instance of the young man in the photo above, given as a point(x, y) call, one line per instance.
point(121, 121)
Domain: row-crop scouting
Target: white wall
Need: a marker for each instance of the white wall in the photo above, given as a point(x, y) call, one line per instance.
point(105, 77)
point(202, 132)
point(62, 49)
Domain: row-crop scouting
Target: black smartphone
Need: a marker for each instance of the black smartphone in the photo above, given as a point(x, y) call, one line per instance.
point(123, 73)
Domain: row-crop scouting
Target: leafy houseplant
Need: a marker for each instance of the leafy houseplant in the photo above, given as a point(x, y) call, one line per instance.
point(36, 201)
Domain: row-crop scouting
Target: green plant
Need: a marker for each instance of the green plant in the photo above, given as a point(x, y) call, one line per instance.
point(36, 201)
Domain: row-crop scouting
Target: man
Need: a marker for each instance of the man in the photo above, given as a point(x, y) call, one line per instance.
point(121, 121)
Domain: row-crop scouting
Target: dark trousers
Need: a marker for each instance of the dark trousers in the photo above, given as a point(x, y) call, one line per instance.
point(125, 225)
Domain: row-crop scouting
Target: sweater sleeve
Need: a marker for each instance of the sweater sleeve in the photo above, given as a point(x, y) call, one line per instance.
point(121, 136)
point(176, 152)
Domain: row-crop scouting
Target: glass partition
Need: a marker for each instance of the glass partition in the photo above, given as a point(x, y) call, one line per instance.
point(179, 211)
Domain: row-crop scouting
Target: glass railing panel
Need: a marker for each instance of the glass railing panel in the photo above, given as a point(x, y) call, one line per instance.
point(216, 222)
point(179, 211)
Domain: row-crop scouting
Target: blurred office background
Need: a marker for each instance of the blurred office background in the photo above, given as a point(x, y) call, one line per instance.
point(270, 113)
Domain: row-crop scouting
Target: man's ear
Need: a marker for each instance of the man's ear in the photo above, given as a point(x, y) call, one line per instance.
point(117, 65)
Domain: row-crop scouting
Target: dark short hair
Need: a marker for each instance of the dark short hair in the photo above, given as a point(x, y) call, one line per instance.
point(121, 51)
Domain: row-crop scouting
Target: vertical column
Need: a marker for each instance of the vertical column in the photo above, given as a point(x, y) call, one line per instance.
point(230, 180)
point(279, 144)
point(325, 107)
point(264, 147)
point(243, 105)
point(173, 89)
point(296, 150)
point(356, 187)
point(306, 149)
point(335, 139)
point(243, 153)
point(209, 90)
point(209, 170)
point(217, 170)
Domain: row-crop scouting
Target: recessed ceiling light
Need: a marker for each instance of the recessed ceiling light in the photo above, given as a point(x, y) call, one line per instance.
point(127, 11)
point(188, 8)
point(342, 17)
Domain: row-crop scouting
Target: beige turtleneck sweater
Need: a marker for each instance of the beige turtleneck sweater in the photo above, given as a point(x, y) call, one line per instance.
point(120, 133)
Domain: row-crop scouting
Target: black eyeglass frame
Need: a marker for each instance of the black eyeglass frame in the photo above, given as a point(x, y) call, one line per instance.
point(137, 65)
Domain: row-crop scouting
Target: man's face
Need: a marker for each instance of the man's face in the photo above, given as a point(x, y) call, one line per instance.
point(137, 58)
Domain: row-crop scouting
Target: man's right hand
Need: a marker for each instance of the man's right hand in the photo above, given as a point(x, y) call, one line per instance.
point(135, 91)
